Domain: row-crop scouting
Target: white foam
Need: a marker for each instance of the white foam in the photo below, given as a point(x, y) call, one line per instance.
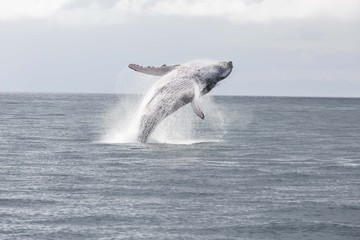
point(122, 121)
point(120, 124)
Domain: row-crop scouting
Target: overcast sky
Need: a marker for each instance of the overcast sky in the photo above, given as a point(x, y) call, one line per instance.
point(279, 47)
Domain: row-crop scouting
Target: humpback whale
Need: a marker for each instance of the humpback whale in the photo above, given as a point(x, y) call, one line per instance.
point(179, 85)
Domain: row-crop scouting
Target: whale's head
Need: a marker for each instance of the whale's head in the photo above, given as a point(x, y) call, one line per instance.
point(209, 74)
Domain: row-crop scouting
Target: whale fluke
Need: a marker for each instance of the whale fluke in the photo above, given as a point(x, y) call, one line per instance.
point(156, 71)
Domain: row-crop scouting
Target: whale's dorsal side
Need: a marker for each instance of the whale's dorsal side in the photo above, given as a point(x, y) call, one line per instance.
point(156, 71)
point(196, 108)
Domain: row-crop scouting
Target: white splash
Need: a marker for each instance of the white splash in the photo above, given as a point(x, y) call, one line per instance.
point(123, 119)
point(120, 125)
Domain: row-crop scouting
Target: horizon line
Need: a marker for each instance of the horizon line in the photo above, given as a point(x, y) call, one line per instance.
point(215, 95)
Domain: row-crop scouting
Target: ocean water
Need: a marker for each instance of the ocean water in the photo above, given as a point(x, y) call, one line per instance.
point(255, 168)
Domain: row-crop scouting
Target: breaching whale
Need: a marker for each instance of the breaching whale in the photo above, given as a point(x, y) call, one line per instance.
point(179, 85)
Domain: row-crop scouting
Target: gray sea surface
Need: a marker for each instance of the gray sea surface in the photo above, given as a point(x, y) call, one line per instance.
point(284, 168)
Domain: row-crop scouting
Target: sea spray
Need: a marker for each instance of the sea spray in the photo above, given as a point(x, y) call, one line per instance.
point(122, 120)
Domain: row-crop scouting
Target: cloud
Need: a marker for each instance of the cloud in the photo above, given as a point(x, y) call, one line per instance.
point(260, 11)
point(119, 11)
point(19, 9)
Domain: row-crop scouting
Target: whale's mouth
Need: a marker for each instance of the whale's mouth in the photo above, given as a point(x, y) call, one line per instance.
point(225, 73)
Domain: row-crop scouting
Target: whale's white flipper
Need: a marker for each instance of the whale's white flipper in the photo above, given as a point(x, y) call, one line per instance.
point(196, 108)
point(156, 71)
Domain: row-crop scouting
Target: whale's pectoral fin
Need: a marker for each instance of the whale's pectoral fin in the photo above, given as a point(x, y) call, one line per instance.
point(196, 108)
point(156, 71)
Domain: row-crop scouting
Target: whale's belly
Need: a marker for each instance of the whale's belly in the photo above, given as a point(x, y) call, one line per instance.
point(166, 99)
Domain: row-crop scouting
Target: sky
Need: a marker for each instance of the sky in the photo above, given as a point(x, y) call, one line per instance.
point(278, 47)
